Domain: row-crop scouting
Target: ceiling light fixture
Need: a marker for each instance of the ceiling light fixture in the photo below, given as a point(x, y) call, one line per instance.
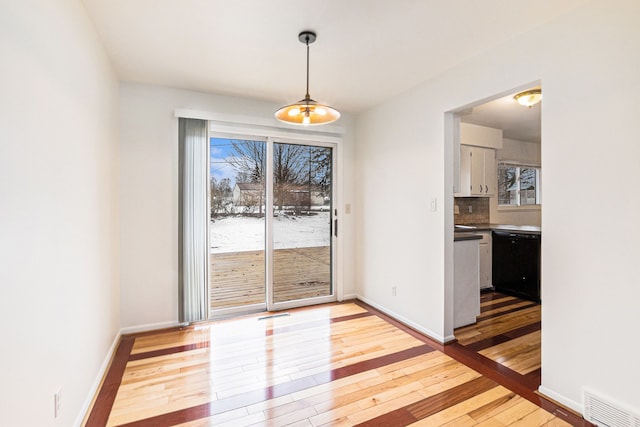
point(307, 111)
point(529, 98)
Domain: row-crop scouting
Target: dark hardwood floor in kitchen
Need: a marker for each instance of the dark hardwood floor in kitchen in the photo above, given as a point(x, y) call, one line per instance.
point(506, 336)
point(335, 364)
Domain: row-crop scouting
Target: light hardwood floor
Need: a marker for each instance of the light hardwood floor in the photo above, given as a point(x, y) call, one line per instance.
point(508, 333)
point(335, 364)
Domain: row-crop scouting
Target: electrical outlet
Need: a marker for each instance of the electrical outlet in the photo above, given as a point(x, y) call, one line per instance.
point(394, 290)
point(433, 204)
point(470, 209)
point(456, 209)
point(57, 403)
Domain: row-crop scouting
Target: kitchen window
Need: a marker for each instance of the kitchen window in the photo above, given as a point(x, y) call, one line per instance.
point(518, 184)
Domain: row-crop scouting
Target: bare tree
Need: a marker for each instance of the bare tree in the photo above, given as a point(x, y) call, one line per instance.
point(250, 201)
point(213, 186)
point(293, 166)
point(507, 178)
point(289, 162)
point(321, 163)
point(248, 160)
point(220, 194)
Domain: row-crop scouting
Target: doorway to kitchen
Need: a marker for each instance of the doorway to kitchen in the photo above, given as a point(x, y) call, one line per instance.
point(272, 226)
point(497, 169)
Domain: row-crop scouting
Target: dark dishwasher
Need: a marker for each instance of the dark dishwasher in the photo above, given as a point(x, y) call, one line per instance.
point(516, 264)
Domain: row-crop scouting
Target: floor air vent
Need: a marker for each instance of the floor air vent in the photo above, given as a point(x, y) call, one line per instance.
point(273, 316)
point(606, 414)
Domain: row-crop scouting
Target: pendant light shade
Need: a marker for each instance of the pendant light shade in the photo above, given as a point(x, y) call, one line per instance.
point(529, 98)
point(307, 111)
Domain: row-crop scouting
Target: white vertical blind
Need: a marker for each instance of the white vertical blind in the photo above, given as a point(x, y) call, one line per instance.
point(193, 218)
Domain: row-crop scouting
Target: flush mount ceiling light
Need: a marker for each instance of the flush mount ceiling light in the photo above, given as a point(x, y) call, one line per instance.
point(307, 111)
point(529, 98)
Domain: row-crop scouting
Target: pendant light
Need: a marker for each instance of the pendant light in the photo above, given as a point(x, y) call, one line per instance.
point(529, 98)
point(307, 111)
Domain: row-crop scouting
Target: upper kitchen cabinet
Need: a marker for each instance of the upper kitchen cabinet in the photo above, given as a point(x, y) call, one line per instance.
point(480, 136)
point(478, 169)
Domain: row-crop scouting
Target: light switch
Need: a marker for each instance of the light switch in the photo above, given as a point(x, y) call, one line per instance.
point(347, 208)
point(433, 204)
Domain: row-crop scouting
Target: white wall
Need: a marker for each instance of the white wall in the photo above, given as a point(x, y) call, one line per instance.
point(519, 151)
point(149, 195)
point(588, 64)
point(528, 153)
point(59, 311)
point(400, 242)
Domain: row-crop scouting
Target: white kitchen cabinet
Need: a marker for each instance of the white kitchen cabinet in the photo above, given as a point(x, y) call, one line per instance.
point(466, 288)
point(490, 172)
point(485, 260)
point(478, 174)
point(481, 136)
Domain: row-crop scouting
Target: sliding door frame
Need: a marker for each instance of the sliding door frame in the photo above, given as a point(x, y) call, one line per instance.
point(270, 139)
point(242, 309)
point(271, 304)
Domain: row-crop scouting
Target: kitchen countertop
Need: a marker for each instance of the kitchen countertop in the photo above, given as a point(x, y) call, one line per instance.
point(525, 229)
point(459, 237)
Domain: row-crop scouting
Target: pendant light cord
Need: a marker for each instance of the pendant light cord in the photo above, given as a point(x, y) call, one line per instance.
point(307, 39)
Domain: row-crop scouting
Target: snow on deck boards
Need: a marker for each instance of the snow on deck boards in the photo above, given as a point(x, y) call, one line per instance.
point(238, 278)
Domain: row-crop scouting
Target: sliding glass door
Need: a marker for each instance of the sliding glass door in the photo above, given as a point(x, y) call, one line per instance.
point(237, 224)
point(271, 224)
point(302, 189)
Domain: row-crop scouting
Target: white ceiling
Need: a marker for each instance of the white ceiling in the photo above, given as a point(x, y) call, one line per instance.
point(367, 50)
point(516, 121)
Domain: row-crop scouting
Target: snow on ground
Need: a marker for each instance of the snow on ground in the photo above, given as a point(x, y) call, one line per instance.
point(241, 233)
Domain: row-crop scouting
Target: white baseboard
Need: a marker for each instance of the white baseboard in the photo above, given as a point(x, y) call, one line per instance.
point(578, 407)
point(93, 391)
point(148, 327)
point(437, 337)
point(347, 297)
point(449, 338)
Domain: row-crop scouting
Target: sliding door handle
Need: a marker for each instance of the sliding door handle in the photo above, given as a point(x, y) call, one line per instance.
point(335, 227)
